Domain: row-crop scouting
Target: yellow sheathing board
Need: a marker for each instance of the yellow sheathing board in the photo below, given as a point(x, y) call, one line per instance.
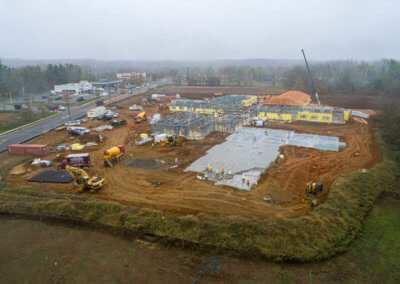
point(346, 115)
point(273, 115)
point(286, 116)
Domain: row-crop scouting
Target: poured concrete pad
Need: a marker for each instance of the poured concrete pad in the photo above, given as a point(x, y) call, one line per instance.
point(243, 150)
point(249, 152)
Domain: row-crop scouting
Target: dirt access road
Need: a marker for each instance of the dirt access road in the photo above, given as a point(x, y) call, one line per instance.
point(173, 190)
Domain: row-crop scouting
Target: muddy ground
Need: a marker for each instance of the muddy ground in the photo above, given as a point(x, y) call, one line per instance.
point(170, 189)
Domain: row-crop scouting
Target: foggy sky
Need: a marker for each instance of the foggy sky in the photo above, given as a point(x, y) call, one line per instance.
point(199, 29)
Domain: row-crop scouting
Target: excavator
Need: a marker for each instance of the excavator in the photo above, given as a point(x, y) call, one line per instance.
point(83, 180)
point(171, 141)
point(140, 117)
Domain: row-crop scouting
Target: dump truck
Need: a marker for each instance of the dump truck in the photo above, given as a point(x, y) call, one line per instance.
point(113, 155)
point(140, 117)
point(83, 180)
point(81, 160)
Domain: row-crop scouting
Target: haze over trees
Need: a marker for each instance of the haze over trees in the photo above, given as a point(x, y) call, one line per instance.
point(35, 79)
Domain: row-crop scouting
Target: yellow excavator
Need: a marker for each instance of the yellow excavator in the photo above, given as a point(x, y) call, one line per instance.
point(83, 180)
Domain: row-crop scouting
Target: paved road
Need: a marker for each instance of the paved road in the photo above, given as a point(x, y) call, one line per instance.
point(26, 133)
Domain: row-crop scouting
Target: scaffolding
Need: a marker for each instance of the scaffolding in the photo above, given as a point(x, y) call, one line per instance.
point(196, 126)
point(231, 104)
point(189, 125)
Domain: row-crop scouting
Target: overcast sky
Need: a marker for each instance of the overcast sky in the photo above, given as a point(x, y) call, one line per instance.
point(199, 29)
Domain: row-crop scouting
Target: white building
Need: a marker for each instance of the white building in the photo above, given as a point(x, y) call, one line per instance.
point(95, 112)
point(132, 75)
point(73, 88)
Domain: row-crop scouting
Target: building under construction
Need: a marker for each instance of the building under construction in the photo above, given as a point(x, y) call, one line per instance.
point(304, 113)
point(231, 104)
point(196, 126)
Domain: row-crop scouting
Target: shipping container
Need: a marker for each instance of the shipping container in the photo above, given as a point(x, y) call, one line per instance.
point(29, 149)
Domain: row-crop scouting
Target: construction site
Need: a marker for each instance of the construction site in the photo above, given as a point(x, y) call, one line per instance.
point(220, 155)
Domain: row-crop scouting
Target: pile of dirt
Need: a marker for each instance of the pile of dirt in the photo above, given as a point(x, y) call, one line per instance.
point(144, 163)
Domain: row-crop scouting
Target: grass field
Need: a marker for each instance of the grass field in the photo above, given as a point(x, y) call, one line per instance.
point(11, 119)
point(76, 254)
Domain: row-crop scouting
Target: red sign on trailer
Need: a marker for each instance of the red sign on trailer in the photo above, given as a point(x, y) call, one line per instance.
point(29, 149)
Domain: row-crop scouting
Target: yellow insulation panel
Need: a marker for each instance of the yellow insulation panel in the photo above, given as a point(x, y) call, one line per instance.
point(273, 115)
point(286, 116)
point(346, 115)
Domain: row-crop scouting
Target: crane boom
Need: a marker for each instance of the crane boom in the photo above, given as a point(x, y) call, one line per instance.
point(311, 79)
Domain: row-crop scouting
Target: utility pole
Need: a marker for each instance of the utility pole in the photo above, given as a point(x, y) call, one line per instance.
point(10, 97)
point(69, 111)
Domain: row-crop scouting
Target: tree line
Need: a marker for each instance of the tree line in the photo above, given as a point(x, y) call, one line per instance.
point(348, 77)
point(35, 79)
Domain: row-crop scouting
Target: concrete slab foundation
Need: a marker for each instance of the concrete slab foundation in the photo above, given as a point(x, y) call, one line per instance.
point(247, 153)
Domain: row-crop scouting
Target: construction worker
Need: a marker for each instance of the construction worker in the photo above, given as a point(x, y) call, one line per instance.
point(222, 171)
point(243, 179)
point(248, 182)
point(313, 187)
point(209, 168)
point(216, 173)
point(308, 186)
point(152, 145)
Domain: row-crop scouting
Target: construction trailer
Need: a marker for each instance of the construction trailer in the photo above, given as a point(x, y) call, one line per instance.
point(303, 113)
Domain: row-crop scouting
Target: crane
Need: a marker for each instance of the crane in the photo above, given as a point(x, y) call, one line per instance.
point(311, 79)
point(83, 180)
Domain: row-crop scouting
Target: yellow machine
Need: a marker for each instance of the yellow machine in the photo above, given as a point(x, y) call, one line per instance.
point(140, 117)
point(113, 155)
point(83, 180)
point(171, 141)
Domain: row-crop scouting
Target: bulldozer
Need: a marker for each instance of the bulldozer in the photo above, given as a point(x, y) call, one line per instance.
point(314, 187)
point(83, 180)
point(140, 117)
point(113, 155)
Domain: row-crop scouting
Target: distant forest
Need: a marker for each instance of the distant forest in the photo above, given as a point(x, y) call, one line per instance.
point(35, 79)
point(347, 77)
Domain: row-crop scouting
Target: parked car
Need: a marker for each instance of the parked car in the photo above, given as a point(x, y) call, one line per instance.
point(61, 108)
point(99, 102)
point(77, 131)
point(57, 98)
point(73, 123)
point(80, 99)
point(45, 97)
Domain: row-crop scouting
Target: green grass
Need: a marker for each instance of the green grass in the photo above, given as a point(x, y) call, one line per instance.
point(9, 125)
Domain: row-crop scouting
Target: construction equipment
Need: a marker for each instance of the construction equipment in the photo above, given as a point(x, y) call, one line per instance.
point(314, 187)
point(171, 141)
point(83, 180)
point(113, 155)
point(140, 117)
point(311, 79)
point(116, 123)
